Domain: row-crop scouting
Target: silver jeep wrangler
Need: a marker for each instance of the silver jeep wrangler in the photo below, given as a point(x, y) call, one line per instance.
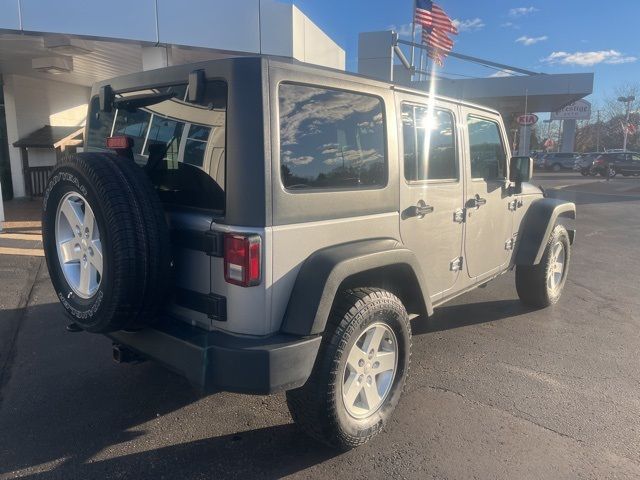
point(258, 225)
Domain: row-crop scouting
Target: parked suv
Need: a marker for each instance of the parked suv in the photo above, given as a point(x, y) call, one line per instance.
point(625, 163)
point(559, 161)
point(260, 225)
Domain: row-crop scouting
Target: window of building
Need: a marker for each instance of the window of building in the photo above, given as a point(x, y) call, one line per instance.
point(487, 153)
point(331, 139)
point(429, 144)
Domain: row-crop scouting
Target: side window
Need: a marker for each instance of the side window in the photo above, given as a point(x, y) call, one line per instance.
point(487, 153)
point(331, 139)
point(429, 144)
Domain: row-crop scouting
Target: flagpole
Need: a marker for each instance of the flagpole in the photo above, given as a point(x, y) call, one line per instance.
point(413, 37)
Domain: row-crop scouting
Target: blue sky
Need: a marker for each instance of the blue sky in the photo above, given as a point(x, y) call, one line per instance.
point(551, 36)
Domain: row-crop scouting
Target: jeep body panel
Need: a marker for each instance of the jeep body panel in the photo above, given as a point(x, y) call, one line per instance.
point(488, 225)
point(436, 237)
point(537, 224)
point(323, 273)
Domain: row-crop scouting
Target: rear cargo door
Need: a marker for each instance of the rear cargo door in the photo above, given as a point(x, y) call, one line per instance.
point(181, 146)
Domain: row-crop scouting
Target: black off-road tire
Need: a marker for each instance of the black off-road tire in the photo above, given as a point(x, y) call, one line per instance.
point(153, 239)
point(531, 280)
point(118, 298)
point(317, 407)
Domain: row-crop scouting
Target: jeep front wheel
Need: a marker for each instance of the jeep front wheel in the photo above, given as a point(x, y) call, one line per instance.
point(360, 372)
point(541, 285)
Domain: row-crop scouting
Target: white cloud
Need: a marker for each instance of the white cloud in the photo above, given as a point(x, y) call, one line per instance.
point(403, 31)
point(469, 25)
point(503, 73)
point(521, 11)
point(510, 25)
point(528, 41)
point(588, 59)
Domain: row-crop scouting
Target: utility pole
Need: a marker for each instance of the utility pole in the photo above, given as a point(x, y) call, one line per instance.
point(628, 101)
point(598, 132)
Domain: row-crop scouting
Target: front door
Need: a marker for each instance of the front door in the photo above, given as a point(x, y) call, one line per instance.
point(431, 190)
point(489, 218)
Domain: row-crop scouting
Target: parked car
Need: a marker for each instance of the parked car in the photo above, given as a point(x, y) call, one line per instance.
point(537, 159)
point(559, 161)
point(260, 225)
point(584, 163)
point(624, 163)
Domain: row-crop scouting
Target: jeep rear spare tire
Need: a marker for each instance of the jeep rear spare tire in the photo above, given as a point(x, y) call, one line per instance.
point(95, 244)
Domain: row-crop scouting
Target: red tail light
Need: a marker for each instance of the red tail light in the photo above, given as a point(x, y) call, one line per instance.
point(119, 143)
point(599, 160)
point(242, 259)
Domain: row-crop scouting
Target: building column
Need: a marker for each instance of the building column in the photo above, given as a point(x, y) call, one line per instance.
point(569, 128)
point(15, 159)
point(156, 57)
point(375, 55)
point(524, 145)
point(1, 209)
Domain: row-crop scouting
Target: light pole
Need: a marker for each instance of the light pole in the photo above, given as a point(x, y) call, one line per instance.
point(548, 122)
point(628, 101)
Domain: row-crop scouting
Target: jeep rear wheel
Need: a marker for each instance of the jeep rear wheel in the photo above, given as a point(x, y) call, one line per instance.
point(541, 285)
point(360, 371)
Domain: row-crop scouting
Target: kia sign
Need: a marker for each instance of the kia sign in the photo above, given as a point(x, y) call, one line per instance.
point(526, 120)
point(580, 110)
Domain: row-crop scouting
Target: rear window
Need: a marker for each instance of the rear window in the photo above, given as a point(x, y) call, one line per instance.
point(331, 139)
point(180, 145)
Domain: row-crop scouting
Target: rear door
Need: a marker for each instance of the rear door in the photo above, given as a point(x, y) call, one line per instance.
point(489, 215)
point(634, 168)
point(431, 189)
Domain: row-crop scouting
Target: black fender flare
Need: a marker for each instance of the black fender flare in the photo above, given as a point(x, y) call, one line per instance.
point(324, 271)
point(537, 225)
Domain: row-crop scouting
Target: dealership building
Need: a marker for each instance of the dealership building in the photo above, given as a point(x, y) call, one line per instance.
point(52, 52)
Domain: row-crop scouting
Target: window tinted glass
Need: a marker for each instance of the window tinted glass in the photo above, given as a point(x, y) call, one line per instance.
point(172, 139)
point(330, 139)
point(487, 153)
point(429, 145)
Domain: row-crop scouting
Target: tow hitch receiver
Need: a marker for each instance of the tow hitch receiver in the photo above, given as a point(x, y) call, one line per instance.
point(122, 354)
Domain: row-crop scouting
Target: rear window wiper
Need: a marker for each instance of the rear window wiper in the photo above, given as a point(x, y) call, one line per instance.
point(135, 102)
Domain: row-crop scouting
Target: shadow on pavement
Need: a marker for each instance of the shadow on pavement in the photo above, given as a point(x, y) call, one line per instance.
point(449, 317)
point(266, 453)
point(66, 402)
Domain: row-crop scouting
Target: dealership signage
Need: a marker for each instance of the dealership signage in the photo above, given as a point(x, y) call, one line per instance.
point(580, 110)
point(526, 120)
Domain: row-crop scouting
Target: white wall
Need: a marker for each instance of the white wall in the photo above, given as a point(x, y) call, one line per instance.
point(312, 45)
point(32, 103)
point(250, 26)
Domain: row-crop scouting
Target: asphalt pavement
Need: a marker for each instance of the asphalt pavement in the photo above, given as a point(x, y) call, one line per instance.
point(495, 391)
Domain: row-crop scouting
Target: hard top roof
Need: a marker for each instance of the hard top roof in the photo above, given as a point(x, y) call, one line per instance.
point(164, 75)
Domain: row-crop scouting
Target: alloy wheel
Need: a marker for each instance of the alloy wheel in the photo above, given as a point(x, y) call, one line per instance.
point(370, 370)
point(78, 244)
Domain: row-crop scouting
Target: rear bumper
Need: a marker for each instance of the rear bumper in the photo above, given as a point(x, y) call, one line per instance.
point(215, 361)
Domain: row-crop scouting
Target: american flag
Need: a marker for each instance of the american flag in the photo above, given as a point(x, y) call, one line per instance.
point(436, 27)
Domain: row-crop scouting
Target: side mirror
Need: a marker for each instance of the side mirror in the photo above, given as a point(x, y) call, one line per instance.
point(520, 171)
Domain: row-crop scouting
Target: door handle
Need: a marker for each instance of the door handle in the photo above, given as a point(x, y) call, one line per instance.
point(478, 201)
point(421, 209)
